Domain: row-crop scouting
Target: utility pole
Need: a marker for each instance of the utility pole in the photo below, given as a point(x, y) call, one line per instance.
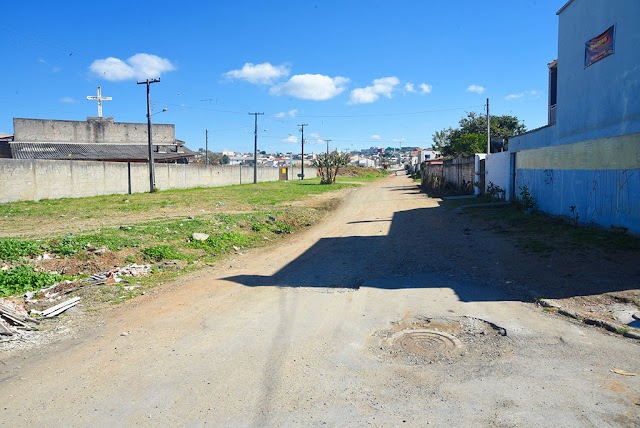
point(488, 129)
point(255, 149)
point(302, 156)
point(328, 141)
point(206, 147)
point(152, 177)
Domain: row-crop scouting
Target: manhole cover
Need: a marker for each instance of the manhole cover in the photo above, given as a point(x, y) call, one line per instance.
point(427, 343)
point(418, 339)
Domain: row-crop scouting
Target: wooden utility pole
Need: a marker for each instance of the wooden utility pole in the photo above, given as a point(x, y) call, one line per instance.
point(255, 149)
point(152, 177)
point(488, 129)
point(302, 156)
point(328, 141)
point(206, 147)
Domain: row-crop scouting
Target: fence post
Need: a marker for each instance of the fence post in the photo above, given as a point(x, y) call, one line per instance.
point(129, 175)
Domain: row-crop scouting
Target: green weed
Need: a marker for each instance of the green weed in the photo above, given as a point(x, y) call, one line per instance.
point(162, 252)
point(14, 249)
point(23, 278)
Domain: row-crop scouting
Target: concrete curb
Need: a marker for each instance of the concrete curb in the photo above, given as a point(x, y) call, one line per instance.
point(621, 329)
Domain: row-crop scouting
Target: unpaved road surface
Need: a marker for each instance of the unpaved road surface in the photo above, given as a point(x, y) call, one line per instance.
point(372, 318)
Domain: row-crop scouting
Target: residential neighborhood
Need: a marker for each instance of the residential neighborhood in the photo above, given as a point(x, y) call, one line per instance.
point(346, 214)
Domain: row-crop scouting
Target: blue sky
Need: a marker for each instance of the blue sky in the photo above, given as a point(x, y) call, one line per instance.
point(360, 73)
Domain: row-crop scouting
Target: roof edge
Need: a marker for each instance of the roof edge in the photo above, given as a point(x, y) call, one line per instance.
point(564, 7)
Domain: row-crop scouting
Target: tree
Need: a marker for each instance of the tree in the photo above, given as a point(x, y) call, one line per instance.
point(471, 135)
point(467, 144)
point(329, 164)
point(224, 160)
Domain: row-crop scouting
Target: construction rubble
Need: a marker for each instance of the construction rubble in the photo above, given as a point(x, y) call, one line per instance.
point(52, 301)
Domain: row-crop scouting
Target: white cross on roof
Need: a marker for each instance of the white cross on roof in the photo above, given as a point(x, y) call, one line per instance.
point(99, 98)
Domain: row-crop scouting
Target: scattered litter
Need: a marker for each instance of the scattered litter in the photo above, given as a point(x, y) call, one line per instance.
point(125, 227)
point(124, 333)
point(623, 373)
point(272, 218)
point(199, 236)
point(236, 248)
point(219, 203)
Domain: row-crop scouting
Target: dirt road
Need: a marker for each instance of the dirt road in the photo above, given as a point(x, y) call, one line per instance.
point(373, 318)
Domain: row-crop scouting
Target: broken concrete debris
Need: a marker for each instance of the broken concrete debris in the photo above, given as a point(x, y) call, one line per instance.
point(14, 316)
point(112, 276)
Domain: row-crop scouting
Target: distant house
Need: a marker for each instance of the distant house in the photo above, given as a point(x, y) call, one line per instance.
point(587, 159)
point(97, 139)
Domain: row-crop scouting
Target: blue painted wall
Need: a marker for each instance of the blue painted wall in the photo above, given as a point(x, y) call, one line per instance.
point(603, 197)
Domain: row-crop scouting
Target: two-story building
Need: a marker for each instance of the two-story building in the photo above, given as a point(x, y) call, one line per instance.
point(587, 159)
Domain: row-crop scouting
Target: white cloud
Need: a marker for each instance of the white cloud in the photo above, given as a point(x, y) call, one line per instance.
point(290, 139)
point(290, 113)
point(376, 137)
point(425, 89)
point(264, 73)
point(315, 87)
point(383, 86)
point(519, 95)
point(68, 100)
point(477, 89)
point(139, 66)
point(409, 87)
point(314, 135)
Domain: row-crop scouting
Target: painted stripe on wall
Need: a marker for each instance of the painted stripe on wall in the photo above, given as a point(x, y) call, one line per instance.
point(620, 153)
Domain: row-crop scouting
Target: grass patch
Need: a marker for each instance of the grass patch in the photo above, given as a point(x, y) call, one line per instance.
point(154, 228)
point(159, 253)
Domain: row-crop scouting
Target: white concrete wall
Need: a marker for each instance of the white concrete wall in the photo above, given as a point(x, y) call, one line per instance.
point(497, 171)
point(32, 180)
point(93, 131)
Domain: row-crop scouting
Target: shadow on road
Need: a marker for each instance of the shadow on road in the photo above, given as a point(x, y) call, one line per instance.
point(432, 248)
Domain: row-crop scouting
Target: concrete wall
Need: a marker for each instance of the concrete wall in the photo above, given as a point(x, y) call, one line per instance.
point(605, 189)
point(600, 100)
point(461, 171)
point(33, 180)
point(497, 171)
point(93, 131)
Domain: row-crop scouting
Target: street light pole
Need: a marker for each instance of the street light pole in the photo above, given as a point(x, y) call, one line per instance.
point(152, 178)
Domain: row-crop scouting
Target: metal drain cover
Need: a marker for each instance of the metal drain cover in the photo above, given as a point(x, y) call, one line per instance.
point(426, 343)
point(420, 340)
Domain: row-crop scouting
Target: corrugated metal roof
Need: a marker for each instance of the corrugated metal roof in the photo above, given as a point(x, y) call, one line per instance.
point(99, 152)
